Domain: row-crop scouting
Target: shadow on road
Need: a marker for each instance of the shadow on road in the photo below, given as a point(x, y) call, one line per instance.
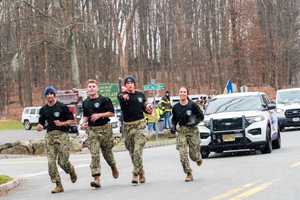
point(234, 154)
point(291, 129)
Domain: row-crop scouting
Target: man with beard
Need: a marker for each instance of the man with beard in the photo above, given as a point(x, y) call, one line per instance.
point(56, 118)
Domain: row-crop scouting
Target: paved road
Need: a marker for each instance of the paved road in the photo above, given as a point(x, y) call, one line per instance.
point(243, 175)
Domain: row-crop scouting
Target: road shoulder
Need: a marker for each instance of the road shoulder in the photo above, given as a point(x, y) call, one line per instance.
point(5, 188)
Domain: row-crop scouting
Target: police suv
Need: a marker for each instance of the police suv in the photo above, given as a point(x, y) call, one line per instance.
point(239, 121)
point(288, 107)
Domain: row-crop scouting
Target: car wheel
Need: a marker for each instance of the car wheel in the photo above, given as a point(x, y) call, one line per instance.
point(205, 153)
point(27, 125)
point(277, 143)
point(268, 146)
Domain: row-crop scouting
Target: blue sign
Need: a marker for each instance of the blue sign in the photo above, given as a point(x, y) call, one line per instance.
point(229, 87)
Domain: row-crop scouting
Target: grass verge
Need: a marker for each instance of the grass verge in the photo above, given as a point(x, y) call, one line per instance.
point(10, 125)
point(4, 179)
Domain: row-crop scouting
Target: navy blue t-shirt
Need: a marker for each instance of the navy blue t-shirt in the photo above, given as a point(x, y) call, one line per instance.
point(59, 111)
point(97, 105)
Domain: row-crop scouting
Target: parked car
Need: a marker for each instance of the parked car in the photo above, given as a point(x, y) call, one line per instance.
point(30, 117)
point(288, 107)
point(116, 124)
point(239, 121)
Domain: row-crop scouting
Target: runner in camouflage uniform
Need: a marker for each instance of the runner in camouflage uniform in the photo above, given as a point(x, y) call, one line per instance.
point(96, 112)
point(133, 105)
point(56, 118)
point(186, 115)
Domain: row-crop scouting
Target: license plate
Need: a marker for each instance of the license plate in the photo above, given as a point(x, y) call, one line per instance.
point(228, 138)
point(297, 119)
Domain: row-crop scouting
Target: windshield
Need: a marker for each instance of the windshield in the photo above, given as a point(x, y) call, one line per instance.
point(286, 97)
point(234, 104)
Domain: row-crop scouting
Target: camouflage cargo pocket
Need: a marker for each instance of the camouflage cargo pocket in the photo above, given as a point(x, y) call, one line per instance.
point(141, 139)
point(53, 139)
point(195, 136)
point(108, 143)
point(108, 134)
point(65, 140)
point(180, 141)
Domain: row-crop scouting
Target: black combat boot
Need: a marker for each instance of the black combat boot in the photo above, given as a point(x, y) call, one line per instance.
point(96, 182)
point(135, 179)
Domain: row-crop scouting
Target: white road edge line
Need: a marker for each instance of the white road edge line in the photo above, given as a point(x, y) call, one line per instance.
point(46, 172)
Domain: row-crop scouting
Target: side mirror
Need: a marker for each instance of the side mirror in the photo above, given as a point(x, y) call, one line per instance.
point(271, 106)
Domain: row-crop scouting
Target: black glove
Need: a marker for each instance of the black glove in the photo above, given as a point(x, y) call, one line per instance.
point(173, 130)
point(73, 129)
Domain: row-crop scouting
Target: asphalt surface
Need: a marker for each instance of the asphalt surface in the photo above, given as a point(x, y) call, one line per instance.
point(241, 175)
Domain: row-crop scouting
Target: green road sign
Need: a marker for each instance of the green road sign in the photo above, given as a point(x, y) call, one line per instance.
point(155, 87)
point(161, 86)
point(110, 90)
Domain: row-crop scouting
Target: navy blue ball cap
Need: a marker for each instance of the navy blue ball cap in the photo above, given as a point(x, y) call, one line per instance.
point(49, 89)
point(129, 79)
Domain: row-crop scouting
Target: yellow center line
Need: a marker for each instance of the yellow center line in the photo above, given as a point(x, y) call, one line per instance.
point(232, 192)
point(297, 164)
point(252, 191)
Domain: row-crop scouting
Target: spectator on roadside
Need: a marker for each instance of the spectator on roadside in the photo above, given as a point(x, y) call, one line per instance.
point(152, 120)
point(165, 105)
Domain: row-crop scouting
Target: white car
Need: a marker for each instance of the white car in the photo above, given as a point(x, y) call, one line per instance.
point(288, 107)
point(30, 117)
point(116, 124)
point(239, 121)
point(114, 121)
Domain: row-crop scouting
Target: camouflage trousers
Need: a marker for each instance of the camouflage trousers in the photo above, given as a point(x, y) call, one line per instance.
point(188, 139)
point(58, 147)
point(135, 141)
point(100, 138)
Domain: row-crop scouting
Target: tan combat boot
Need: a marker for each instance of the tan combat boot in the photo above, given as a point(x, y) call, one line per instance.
point(59, 188)
point(142, 178)
point(189, 177)
point(199, 162)
point(96, 182)
point(114, 171)
point(135, 179)
point(73, 175)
